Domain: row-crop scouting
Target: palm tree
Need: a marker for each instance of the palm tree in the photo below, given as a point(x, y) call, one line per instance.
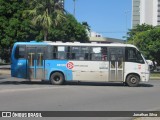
point(46, 13)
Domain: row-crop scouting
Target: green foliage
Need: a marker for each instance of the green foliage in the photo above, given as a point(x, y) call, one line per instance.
point(85, 24)
point(73, 30)
point(139, 28)
point(147, 40)
point(45, 14)
point(13, 26)
point(16, 26)
point(68, 31)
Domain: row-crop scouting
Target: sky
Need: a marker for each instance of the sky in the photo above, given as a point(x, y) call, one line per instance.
point(111, 18)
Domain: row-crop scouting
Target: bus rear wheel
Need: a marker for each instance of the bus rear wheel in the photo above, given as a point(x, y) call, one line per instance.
point(57, 78)
point(133, 80)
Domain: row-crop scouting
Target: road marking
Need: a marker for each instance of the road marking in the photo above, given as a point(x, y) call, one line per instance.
point(30, 89)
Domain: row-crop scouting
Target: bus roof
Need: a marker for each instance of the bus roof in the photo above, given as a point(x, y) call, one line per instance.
point(74, 44)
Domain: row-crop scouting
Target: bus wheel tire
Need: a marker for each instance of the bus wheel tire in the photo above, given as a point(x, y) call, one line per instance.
point(132, 80)
point(57, 78)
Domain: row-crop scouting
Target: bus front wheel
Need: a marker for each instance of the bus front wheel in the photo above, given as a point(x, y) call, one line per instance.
point(132, 80)
point(57, 78)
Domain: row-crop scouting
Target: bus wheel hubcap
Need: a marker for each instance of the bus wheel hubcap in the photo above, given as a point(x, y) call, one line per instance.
point(133, 80)
point(56, 78)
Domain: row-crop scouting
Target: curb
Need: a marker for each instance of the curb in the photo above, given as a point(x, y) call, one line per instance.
point(154, 78)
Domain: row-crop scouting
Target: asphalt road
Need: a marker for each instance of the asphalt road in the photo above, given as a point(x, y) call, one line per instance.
point(20, 95)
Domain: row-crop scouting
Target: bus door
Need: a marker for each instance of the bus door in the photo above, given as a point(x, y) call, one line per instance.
point(35, 62)
point(116, 64)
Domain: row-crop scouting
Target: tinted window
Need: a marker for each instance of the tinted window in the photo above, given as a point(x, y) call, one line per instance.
point(79, 53)
point(20, 52)
point(85, 51)
point(140, 58)
point(132, 55)
point(59, 52)
point(99, 53)
point(104, 53)
point(49, 52)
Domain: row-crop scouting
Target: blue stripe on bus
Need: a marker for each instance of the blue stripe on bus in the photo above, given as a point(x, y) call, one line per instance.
point(18, 69)
point(19, 66)
point(58, 65)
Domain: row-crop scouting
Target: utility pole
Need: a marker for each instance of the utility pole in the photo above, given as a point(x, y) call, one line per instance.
point(126, 15)
point(74, 11)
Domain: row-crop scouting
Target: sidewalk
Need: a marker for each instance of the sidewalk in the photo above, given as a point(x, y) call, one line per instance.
point(154, 78)
point(5, 72)
point(5, 69)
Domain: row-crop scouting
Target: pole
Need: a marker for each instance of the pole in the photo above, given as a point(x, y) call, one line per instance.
point(126, 13)
point(74, 11)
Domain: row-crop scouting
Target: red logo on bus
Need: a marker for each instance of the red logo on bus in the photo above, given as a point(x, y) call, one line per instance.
point(139, 66)
point(70, 65)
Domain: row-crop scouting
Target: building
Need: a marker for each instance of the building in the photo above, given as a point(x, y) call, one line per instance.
point(145, 11)
point(95, 34)
point(135, 12)
point(106, 40)
point(98, 38)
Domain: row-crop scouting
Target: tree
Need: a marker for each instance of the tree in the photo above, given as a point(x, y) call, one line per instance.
point(74, 31)
point(17, 27)
point(46, 14)
point(85, 24)
point(139, 28)
point(148, 42)
point(68, 31)
point(13, 26)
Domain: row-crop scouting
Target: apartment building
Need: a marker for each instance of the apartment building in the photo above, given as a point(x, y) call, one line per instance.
point(145, 11)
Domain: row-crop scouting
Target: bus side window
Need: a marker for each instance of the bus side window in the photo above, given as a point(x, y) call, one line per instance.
point(50, 54)
point(61, 52)
point(68, 52)
point(73, 56)
point(132, 55)
point(85, 52)
point(96, 54)
point(20, 52)
point(86, 56)
point(55, 49)
point(76, 53)
point(104, 53)
point(139, 58)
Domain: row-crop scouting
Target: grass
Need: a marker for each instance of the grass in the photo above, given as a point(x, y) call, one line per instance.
point(155, 74)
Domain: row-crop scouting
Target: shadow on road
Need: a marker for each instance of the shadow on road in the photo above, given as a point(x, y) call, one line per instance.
point(70, 83)
point(104, 84)
point(23, 83)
